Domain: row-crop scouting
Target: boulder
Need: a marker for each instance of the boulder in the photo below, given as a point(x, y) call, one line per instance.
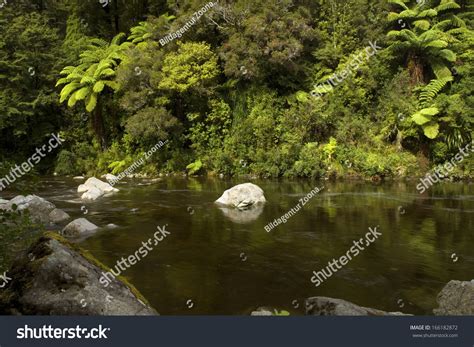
point(323, 306)
point(57, 278)
point(92, 194)
point(2, 201)
point(456, 299)
point(58, 216)
point(94, 189)
point(82, 188)
point(242, 196)
point(41, 211)
point(78, 228)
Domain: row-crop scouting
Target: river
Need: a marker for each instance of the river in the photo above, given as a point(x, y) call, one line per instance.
point(218, 261)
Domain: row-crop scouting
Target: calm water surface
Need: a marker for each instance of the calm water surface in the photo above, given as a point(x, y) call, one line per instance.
point(226, 263)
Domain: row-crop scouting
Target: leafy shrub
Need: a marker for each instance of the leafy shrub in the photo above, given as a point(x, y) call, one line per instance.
point(195, 167)
point(16, 233)
point(66, 164)
point(310, 162)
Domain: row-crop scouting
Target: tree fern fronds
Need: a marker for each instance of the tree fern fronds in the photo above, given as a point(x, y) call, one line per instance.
point(431, 90)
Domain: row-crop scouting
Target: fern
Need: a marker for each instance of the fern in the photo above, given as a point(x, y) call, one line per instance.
point(400, 3)
point(430, 91)
point(195, 167)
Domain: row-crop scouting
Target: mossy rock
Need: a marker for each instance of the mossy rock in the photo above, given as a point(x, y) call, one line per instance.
point(56, 277)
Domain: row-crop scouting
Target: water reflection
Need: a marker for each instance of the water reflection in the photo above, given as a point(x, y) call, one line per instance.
point(243, 216)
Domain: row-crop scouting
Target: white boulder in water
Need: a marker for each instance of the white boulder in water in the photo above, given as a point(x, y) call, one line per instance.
point(242, 196)
point(94, 189)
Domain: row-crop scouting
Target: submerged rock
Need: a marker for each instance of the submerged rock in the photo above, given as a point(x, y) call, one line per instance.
point(456, 299)
point(56, 278)
point(94, 188)
point(242, 196)
point(78, 228)
point(324, 306)
point(41, 210)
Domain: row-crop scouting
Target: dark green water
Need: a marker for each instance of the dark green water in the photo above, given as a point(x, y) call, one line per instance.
point(226, 263)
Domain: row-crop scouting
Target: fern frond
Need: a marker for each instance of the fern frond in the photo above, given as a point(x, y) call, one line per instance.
point(399, 3)
point(432, 89)
point(447, 6)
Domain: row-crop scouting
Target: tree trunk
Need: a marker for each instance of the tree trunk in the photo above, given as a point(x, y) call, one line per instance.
point(415, 68)
point(399, 140)
point(98, 125)
point(116, 18)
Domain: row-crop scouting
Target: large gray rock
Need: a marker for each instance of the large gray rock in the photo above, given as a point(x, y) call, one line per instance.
point(55, 278)
point(456, 299)
point(78, 228)
point(58, 216)
point(242, 196)
point(324, 306)
point(94, 189)
point(41, 211)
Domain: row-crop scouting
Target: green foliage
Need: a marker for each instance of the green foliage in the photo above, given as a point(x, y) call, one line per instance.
point(193, 66)
point(383, 162)
point(207, 132)
point(232, 94)
point(422, 38)
point(86, 81)
point(424, 117)
point(430, 91)
point(310, 162)
point(16, 233)
point(150, 125)
point(66, 163)
point(194, 168)
point(144, 32)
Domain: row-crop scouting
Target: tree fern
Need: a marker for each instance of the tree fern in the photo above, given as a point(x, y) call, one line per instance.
point(87, 81)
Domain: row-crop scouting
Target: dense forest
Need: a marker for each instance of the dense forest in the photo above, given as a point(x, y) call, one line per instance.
point(288, 88)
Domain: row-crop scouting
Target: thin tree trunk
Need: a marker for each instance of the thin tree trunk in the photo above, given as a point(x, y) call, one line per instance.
point(98, 125)
point(415, 68)
point(399, 140)
point(116, 17)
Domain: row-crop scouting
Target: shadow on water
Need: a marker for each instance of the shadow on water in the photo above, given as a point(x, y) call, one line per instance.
point(226, 263)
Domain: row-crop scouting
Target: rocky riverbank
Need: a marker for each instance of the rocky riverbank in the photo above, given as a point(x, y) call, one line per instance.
point(55, 277)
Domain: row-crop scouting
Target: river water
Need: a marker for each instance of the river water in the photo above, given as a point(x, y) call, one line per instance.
point(218, 261)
